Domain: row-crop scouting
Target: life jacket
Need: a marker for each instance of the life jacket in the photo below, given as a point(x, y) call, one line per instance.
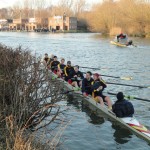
point(123, 108)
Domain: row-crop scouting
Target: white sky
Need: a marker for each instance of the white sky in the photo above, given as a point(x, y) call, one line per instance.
point(7, 3)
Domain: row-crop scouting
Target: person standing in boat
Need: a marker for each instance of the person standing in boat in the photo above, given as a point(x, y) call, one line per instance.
point(46, 59)
point(68, 71)
point(54, 65)
point(121, 36)
point(87, 83)
point(98, 86)
point(61, 67)
point(122, 108)
point(76, 77)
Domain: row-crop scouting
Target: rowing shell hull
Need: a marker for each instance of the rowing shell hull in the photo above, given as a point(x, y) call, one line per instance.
point(118, 44)
point(130, 123)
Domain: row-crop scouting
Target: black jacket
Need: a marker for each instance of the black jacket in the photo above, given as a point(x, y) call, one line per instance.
point(123, 108)
point(79, 74)
point(86, 86)
point(95, 85)
point(54, 65)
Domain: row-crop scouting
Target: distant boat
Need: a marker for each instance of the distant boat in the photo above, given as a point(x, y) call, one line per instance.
point(121, 44)
point(118, 44)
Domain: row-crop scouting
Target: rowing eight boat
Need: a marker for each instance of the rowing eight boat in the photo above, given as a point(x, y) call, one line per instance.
point(131, 123)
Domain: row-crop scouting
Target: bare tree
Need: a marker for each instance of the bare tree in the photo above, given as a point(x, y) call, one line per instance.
point(79, 7)
point(29, 96)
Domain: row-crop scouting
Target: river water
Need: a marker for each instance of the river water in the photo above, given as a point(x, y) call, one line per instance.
point(86, 131)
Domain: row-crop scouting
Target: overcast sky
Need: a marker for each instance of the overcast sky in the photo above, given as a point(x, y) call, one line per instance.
point(7, 3)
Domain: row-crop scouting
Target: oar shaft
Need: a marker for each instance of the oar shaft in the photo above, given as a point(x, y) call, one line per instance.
point(127, 85)
point(109, 76)
point(146, 100)
point(90, 68)
point(106, 75)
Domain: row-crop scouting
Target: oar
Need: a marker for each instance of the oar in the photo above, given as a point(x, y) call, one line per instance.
point(131, 97)
point(122, 78)
point(93, 68)
point(128, 85)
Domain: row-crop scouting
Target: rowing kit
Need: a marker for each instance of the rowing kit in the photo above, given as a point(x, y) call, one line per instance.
point(130, 123)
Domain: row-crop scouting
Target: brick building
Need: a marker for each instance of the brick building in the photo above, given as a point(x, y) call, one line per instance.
point(62, 23)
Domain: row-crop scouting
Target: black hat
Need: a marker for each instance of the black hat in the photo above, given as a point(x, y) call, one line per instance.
point(120, 96)
point(68, 62)
point(55, 57)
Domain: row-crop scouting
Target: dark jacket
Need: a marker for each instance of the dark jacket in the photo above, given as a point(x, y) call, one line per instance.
point(62, 66)
point(86, 86)
point(95, 85)
point(46, 59)
point(54, 65)
point(68, 71)
point(123, 108)
point(79, 74)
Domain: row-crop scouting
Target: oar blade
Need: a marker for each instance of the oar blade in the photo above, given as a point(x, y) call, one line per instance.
point(126, 78)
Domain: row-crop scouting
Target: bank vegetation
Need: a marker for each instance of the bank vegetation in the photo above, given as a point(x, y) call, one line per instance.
point(30, 114)
point(107, 17)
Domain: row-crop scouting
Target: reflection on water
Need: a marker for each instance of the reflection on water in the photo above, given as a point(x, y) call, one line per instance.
point(93, 118)
point(121, 135)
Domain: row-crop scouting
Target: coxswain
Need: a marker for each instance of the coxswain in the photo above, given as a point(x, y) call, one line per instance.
point(76, 77)
point(68, 71)
point(122, 108)
point(61, 67)
point(87, 83)
point(54, 65)
point(46, 59)
point(98, 86)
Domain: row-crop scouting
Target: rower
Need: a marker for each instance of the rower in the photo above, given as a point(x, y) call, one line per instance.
point(68, 70)
point(86, 84)
point(61, 67)
point(76, 77)
point(122, 108)
point(46, 59)
point(50, 60)
point(98, 86)
point(54, 65)
point(130, 43)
